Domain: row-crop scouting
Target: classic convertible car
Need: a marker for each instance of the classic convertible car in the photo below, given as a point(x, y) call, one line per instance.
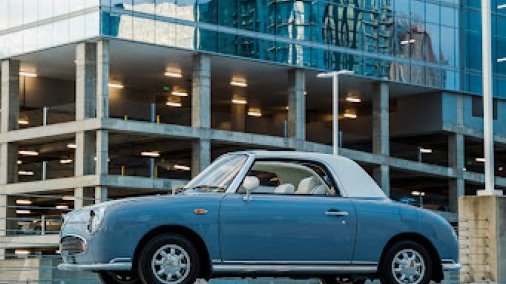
point(262, 213)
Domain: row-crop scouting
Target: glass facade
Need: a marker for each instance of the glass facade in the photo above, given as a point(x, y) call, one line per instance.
point(423, 42)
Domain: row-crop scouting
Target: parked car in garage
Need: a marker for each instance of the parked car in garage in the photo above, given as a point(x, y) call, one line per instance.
point(262, 213)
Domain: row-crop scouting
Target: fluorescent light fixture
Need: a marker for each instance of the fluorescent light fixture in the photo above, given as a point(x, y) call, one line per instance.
point(501, 60)
point(62, 207)
point(174, 104)
point(239, 82)
point(19, 162)
point(150, 154)
point(116, 85)
point(23, 122)
point(23, 211)
point(305, 93)
point(23, 202)
point(425, 150)
point(28, 153)
point(179, 93)
point(239, 101)
point(181, 167)
point(28, 74)
point(404, 42)
point(71, 146)
point(353, 99)
point(502, 6)
point(287, 107)
point(66, 161)
point(68, 198)
point(480, 160)
point(26, 173)
point(254, 113)
point(418, 193)
point(350, 115)
point(174, 73)
point(501, 168)
point(22, 252)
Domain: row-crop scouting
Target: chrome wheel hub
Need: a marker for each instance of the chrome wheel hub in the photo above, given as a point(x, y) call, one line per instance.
point(408, 267)
point(171, 264)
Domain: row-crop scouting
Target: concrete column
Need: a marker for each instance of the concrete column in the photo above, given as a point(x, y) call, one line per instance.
point(8, 163)
point(238, 112)
point(201, 155)
point(296, 104)
point(381, 132)
point(102, 163)
point(456, 153)
point(103, 78)
point(86, 80)
point(7, 210)
point(482, 241)
point(201, 91)
point(84, 153)
point(201, 110)
point(10, 95)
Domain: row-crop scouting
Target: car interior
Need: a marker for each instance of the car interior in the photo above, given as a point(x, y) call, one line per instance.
point(287, 177)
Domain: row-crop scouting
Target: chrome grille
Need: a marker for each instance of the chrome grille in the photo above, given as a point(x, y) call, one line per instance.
point(72, 245)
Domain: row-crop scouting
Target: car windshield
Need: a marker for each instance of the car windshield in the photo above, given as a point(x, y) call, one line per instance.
point(219, 175)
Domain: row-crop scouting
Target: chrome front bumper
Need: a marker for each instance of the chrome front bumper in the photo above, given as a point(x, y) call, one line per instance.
point(450, 265)
point(111, 266)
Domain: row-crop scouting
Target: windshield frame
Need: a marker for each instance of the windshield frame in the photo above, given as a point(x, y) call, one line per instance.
point(237, 180)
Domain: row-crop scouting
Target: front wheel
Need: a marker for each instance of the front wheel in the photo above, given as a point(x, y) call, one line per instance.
point(406, 262)
point(169, 259)
point(107, 277)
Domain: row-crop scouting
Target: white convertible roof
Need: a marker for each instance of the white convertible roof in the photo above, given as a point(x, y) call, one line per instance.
point(351, 178)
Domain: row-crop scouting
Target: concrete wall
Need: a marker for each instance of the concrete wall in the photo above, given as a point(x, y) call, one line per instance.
point(415, 115)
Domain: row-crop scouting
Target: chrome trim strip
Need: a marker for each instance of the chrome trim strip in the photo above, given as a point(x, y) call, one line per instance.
point(85, 241)
point(123, 266)
point(450, 265)
point(300, 262)
point(120, 259)
point(279, 268)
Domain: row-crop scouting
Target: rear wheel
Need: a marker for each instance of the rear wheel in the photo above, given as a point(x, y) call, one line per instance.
point(406, 262)
point(108, 277)
point(169, 259)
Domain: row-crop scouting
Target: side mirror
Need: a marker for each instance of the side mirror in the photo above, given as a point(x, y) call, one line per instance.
point(249, 184)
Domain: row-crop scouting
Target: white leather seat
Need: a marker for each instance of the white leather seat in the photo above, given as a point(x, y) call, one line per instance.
point(306, 185)
point(319, 190)
point(286, 188)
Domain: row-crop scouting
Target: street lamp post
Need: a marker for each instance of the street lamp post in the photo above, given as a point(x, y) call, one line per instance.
point(335, 105)
point(488, 120)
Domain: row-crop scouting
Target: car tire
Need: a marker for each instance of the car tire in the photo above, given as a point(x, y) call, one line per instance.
point(107, 277)
point(169, 259)
point(406, 262)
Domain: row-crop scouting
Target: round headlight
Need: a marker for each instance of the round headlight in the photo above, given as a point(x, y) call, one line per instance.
point(95, 219)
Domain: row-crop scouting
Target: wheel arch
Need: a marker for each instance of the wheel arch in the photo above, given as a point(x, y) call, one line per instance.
point(423, 241)
point(205, 260)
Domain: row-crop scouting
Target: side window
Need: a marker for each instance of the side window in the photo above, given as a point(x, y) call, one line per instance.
point(290, 177)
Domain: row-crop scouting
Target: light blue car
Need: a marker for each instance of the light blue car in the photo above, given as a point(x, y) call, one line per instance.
point(263, 213)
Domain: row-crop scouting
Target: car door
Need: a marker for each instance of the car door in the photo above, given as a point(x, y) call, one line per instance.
point(287, 228)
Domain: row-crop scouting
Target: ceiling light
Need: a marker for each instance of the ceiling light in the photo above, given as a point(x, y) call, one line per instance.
point(305, 93)
point(179, 93)
point(28, 153)
point(19, 162)
point(239, 101)
point(239, 82)
point(404, 42)
point(66, 161)
point(26, 173)
point(418, 193)
point(23, 202)
point(480, 160)
point(350, 115)
point(501, 168)
point(287, 108)
point(22, 252)
point(501, 60)
point(181, 167)
point(23, 211)
point(174, 104)
point(425, 150)
point(150, 154)
point(116, 85)
point(68, 198)
point(23, 122)
point(174, 73)
point(71, 146)
point(62, 207)
point(254, 113)
point(353, 99)
point(27, 74)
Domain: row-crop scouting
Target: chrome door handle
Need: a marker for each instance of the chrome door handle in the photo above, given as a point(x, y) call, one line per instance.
point(337, 213)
